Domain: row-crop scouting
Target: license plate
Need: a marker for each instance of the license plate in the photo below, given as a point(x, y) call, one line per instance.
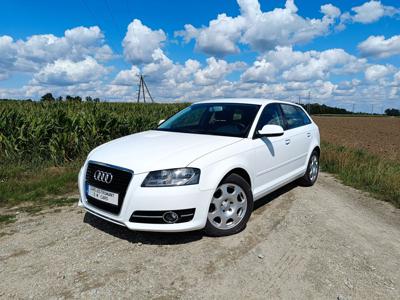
point(103, 195)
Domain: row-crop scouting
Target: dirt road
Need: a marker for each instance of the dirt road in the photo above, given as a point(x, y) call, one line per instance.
point(324, 242)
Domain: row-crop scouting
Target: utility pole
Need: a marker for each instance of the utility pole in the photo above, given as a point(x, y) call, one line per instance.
point(353, 107)
point(372, 109)
point(309, 102)
point(142, 88)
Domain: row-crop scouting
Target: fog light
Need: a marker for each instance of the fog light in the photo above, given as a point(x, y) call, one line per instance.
point(170, 217)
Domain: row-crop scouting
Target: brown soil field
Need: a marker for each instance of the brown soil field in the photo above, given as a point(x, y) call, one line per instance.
point(377, 135)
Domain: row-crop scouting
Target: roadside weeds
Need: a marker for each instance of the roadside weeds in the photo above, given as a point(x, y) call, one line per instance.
point(364, 171)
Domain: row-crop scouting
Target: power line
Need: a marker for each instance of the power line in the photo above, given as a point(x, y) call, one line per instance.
point(111, 15)
point(90, 11)
point(128, 7)
point(96, 19)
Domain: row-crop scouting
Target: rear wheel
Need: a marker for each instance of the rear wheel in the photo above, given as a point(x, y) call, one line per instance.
point(230, 207)
point(311, 175)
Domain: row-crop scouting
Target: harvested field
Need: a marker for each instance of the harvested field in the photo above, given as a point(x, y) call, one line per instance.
point(377, 135)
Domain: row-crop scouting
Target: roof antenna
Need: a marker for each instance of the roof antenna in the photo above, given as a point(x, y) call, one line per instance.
point(142, 87)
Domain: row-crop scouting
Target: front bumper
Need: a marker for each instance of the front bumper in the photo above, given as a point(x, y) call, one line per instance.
point(139, 198)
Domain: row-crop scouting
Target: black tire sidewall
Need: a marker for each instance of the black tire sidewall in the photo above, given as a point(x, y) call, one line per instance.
point(211, 230)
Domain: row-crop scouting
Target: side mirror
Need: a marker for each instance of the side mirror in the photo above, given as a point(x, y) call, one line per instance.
point(270, 130)
point(161, 121)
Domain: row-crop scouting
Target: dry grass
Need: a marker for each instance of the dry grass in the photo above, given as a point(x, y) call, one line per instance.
point(364, 171)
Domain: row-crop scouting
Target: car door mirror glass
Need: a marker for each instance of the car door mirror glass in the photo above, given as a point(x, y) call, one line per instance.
point(270, 130)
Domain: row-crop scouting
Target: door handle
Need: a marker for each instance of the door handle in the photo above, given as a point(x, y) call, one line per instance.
point(308, 134)
point(287, 142)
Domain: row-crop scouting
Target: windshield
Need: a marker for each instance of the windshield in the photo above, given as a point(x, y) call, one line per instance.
point(227, 119)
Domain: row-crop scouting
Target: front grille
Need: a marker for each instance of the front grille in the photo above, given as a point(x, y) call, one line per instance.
point(156, 216)
point(119, 184)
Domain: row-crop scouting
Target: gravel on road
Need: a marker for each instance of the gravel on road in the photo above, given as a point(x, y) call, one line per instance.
point(325, 242)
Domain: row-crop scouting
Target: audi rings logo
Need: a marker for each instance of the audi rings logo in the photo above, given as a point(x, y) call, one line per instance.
point(103, 176)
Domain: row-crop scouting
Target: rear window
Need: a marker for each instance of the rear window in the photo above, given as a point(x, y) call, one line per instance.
point(295, 116)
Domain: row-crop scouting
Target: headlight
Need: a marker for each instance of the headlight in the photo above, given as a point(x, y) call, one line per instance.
point(172, 177)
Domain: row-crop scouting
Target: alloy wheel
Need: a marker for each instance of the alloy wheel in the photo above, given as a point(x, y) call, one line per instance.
point(313, 168)
point(228, 206)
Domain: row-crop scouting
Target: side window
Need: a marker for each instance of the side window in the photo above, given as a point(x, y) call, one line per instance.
point(306, 119)
point(271, 115)
point(295, 116)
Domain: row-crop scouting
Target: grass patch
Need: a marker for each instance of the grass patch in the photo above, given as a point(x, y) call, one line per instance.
point(5, 219)
point(39, 184)
point(364, 171)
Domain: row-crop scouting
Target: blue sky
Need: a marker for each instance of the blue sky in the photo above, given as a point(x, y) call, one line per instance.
point(342, 52)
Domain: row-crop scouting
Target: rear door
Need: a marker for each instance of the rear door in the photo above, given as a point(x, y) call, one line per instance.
point(298, 136)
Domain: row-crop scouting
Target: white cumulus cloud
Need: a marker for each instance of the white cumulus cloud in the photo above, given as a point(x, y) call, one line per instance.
point(380, 47)
point(215, 71)
point(285, 64)
point(7, 57)
point(372, 11)
point(368, 12)
point(127, 77)
point(219, 38)
point(67, 72)
point(37, 51)
point(376, 72)
point(140, 42)
point(260, 30)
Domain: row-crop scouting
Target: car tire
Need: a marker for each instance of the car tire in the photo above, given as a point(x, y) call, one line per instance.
point(311, 175)
point(230, 207)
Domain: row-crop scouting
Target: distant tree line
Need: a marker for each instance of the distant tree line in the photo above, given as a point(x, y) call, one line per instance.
point(392, 112)
point(316, 109)
point(50, 98)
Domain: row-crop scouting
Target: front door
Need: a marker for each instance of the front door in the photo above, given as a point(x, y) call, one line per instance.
point(270, 153)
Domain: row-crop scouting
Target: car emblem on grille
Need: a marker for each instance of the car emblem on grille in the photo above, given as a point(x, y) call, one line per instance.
point(102, 176)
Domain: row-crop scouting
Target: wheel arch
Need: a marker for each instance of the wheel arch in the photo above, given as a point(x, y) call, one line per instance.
point(318, 149)
point(241, 172)
point(215, 173)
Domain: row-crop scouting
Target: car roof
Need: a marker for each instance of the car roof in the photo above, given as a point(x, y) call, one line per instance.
point(256, 101)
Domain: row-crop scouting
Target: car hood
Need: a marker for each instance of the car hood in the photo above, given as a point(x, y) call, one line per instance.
point(156, 150)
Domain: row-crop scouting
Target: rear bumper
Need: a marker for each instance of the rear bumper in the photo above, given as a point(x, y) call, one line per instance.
point(138, 198)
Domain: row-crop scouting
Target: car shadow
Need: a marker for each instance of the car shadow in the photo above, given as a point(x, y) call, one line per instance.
point(165, 238)
point(135, 237)
point(272, 196)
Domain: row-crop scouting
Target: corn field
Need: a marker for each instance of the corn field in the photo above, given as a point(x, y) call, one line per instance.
point(63, 131)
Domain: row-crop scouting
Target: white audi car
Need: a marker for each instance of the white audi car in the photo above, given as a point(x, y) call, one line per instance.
point(201, 168)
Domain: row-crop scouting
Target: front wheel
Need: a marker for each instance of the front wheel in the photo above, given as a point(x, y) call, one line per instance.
point(230, 207)
point(311, 175)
